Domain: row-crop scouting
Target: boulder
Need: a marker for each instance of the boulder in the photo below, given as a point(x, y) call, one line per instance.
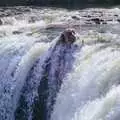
point(97, 20)
point(68, 36)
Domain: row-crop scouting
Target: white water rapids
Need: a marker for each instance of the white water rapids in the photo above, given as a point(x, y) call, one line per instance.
point(39, 81)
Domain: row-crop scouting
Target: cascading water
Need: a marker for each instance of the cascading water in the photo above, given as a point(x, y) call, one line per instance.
point(90, 91)
point(42, 80)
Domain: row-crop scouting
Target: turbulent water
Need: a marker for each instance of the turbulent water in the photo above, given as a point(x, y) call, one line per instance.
point(42, 81)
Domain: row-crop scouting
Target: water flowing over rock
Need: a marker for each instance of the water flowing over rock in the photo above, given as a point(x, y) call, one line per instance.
point(46, 79)
point(58, 64)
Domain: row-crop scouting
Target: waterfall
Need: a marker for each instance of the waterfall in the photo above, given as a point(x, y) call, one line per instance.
point(43, 78)
point(91, 90)
point(14, 79)
point(44, 81)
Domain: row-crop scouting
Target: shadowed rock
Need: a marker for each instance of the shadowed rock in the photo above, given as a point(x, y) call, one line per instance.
point(97, 20)
point(75, 18)
point(67, 37)
point(1, 22)
point(17, 32)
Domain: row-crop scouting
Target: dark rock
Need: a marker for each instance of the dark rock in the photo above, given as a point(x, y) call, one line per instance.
point(1, 22)
point(75, 18)
point(116, 15)
point(68, 36)
point(97, 20)
point(16, 32)
point(87, 16)
point(118, 20)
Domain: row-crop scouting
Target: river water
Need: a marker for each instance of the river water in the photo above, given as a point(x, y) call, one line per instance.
point(42, 81)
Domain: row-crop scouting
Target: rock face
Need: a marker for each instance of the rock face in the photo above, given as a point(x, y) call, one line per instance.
point(68, 36)
point(67, 3)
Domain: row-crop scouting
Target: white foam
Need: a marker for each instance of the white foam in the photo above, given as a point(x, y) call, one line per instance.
point(95, 72)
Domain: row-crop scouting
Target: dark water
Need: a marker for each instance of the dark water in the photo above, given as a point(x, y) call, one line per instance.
point(60, 3)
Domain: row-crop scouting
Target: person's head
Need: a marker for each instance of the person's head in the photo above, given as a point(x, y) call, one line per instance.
point(68, 36)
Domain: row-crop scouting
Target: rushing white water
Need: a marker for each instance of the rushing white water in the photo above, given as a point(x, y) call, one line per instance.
point(14, 73)
point(17, 56)
point(42, 81)
point(91, 90)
